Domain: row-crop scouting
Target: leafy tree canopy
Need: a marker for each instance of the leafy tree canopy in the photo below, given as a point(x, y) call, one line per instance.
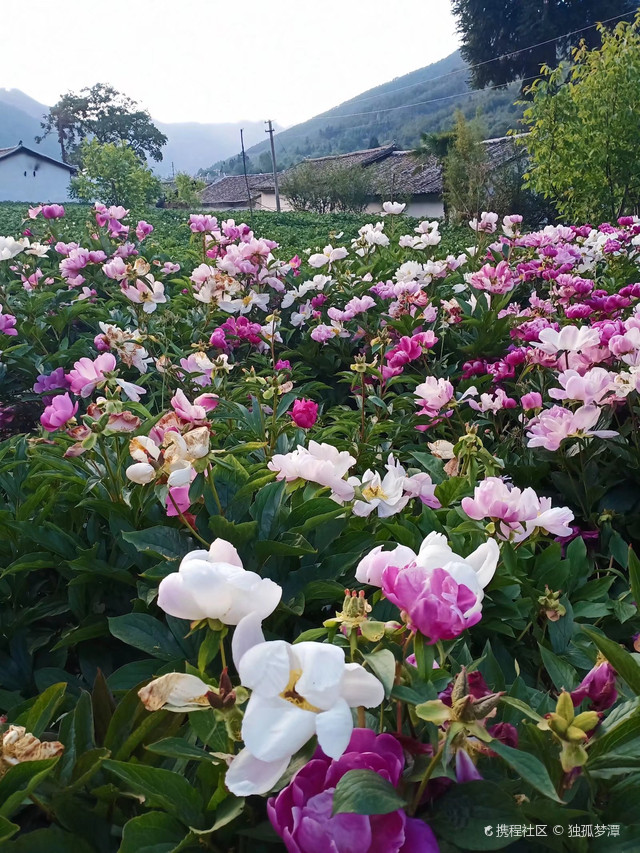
point(584, 134)
point(113, 174)
point(502, 28)
point(106, 115)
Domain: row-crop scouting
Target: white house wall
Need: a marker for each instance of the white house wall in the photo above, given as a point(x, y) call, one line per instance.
point(267, 201)
point(43, 181)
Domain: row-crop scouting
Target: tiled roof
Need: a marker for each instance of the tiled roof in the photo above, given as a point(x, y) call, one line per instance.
point(404, 173)
point(353, 158)
point(16, 149)
point(233, 189)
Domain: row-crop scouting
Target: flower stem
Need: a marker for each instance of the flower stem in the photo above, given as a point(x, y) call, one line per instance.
point(425, 779)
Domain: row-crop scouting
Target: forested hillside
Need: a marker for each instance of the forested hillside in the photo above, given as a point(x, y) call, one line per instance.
point(400, 111)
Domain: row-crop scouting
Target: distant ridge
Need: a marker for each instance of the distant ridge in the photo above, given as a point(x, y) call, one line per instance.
point(394, 112)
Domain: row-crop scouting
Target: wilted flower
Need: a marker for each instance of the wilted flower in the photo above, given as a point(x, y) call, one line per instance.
point(19, 745)
point(176, 692)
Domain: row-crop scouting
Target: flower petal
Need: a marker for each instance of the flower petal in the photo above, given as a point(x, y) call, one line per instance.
point(274, 728)
point(248, 775)
point(360, 687)
point(334, 728)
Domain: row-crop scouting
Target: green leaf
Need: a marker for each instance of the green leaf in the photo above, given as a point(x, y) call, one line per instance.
point(158, 541)
point(620, 660)
point(19, 781)
point(42, 711)
point(154, 832)
point(383, 665)
point(450, 490)
point(7, 829)
point(424, 657)
point(522, 707)
point(528, 767)
point(460, 815)
point(562, 673)
point(177, 747)
point(162, 789)
point(634, 576)
point(146, 633)
point(365, 792)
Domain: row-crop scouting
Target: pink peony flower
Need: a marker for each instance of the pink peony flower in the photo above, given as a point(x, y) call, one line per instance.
point(592, 387)
point(88, 374)
point(7, 323)
point(195, 412)
point(304, 413)
point(532, 400)
point(552, 426)
point(58, 413)
point(497, 279)
point(143, 229)
point(53, 211)
point(433, 394)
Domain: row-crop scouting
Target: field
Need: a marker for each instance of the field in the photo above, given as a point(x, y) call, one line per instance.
point(317, 534)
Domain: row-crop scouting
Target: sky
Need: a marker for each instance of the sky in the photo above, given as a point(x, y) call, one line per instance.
point(213, 61)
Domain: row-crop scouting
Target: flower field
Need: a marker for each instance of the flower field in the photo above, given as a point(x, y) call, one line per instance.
point(321, 548)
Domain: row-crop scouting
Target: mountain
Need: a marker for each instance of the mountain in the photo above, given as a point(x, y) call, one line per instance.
point(393, 112)
point(190, 146)
point(20, 120)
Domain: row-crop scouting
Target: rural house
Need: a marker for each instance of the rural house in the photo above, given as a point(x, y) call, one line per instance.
point(230, 193)
point(29, 176)
point(404, 176)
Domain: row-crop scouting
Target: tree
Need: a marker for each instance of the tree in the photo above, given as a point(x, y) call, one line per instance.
point(502, 28)
point(466, 171)
point(188, 189)
point(584, 133)
point(327, 189)
point(113, 174)
point(104, 114)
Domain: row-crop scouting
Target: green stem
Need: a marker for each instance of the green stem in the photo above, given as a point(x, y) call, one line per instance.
point(185, 522)
point(425, 779)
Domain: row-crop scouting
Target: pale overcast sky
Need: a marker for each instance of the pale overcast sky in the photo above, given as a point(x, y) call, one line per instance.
point(213, 61)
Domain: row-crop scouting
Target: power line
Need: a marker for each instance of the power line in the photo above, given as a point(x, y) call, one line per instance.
point(422, 103)
point(324, 116)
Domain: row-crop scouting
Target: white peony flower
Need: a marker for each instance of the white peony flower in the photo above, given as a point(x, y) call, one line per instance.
point(297, 692)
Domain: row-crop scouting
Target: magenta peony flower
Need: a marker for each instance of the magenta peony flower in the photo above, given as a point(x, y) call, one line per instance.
point(598, 685)
point(143, 229)
point(304, 413)
point(532, 400)
point(53, 211)
point(7, 324)
point(301, 813)
point(61, 410)
point(436, 604)
point(51, 382)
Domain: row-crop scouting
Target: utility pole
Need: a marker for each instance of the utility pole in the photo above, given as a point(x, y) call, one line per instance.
point(273, 163)
point(246, 179)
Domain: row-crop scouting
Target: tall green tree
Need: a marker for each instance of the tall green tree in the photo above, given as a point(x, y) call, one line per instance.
point(584, 133)
point(502, 28)
point(112, 173)
point(466, 171)
point(102, 113)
